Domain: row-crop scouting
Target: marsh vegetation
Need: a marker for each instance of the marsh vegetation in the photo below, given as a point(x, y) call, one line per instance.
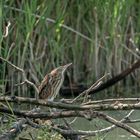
point(97, 36)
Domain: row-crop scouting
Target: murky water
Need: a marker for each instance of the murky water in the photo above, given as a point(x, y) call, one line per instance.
point(115, 134)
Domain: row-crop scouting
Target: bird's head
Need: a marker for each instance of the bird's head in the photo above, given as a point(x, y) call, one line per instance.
point(60, 70)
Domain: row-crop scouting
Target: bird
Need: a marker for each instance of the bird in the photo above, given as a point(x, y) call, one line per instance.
point(52, 82)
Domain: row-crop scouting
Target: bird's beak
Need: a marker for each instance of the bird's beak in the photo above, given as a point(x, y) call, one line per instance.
point(67, 65)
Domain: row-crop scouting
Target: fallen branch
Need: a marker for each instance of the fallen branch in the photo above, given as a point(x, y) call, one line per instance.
point(88, 114)
point(98, 107)
point(118, 77)
point(48, 115)
point(78, 89)
point(124, 100)
point(43, 115)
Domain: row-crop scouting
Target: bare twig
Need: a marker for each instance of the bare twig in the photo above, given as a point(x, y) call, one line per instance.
point(23, 74)
point(20, 84)
point(94, 86)
point(17, 68)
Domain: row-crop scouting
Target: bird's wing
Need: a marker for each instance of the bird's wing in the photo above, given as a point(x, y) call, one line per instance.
point(45, 87)
point(43, 82)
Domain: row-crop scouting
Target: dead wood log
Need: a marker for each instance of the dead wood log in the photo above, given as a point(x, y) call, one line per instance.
point(118, 77)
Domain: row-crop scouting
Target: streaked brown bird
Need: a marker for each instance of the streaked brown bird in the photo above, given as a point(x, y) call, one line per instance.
point(52, 82)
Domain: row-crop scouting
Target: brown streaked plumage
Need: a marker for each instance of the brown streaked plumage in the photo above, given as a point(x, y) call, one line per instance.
point(52, 82)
